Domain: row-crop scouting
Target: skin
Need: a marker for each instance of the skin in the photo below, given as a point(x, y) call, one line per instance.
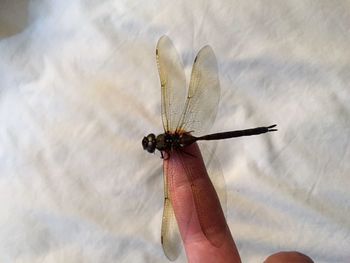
point(222, 247)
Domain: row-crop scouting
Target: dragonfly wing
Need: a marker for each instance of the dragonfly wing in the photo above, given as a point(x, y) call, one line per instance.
point(173, 83)
point(215, 173)
point(203, 95)
point(170, 235)
point(206, 201)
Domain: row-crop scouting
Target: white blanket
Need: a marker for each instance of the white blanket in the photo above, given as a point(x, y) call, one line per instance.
point(79, 89)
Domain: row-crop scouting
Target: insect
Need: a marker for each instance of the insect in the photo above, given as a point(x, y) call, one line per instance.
point(185, 118)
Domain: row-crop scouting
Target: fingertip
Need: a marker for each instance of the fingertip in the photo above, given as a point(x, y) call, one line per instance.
point(288, 256)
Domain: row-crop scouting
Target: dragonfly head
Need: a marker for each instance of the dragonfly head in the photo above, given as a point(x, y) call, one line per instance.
point(149, 143)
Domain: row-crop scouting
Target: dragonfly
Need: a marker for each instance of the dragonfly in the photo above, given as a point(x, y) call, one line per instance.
point(185, 118)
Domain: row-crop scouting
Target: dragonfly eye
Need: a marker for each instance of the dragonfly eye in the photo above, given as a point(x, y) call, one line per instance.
point(149, 143)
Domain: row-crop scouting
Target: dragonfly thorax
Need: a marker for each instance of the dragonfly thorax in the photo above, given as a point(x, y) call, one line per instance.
point(167, 141)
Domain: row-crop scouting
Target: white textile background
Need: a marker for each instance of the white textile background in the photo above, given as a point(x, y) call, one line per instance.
point(79, 89)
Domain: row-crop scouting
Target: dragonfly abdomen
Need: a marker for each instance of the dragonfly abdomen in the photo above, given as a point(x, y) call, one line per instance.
point(239, 133)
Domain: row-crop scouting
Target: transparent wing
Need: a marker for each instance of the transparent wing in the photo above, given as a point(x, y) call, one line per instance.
point(170, 235)
point(203, 95)
point(215, 173)
point(210, 215)
point(173, 83)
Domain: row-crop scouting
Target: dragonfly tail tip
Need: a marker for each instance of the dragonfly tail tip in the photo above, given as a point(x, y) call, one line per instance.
point(269, 128)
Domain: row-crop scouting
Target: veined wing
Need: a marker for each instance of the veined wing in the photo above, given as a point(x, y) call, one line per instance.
point(210, 215)
point(215, 173)
point(203, 95)
point(173, 83)
point(170, 235)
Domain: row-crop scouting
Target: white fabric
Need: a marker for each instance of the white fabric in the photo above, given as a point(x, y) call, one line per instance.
point(79, 89)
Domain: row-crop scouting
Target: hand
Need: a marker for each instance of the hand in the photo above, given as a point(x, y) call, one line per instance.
point(197, 246)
